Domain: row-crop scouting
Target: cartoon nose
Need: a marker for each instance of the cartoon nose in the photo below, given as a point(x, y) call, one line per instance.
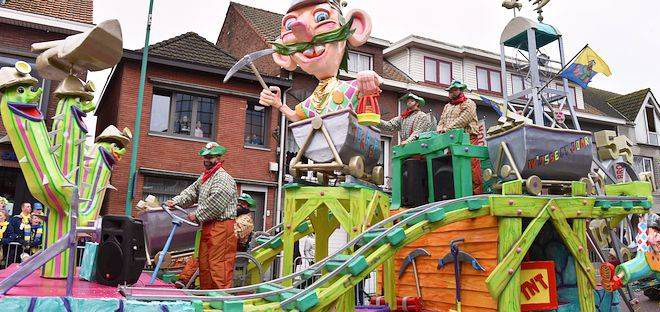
point(301, 31)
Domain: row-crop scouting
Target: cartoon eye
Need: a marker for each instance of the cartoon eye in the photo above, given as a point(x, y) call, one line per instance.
point(20, 89)
point(321, 16)
point(32, 89)
point(288, 23)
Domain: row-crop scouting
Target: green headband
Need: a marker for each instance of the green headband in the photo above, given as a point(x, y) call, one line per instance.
point(340, 34)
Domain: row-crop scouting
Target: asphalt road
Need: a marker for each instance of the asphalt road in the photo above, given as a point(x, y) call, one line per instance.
point(644, 305)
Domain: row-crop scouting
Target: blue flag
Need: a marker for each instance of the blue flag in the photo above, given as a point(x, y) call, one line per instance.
point(587, 64)
point(492, 105)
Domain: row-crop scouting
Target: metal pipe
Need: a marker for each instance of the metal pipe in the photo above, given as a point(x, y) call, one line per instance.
point(138, 117)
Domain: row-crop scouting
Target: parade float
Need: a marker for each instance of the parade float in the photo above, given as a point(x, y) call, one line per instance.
point(529, 242)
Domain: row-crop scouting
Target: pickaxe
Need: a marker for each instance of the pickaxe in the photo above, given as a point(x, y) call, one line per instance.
point(458, 257)
point(411, 259)
point(247, 60)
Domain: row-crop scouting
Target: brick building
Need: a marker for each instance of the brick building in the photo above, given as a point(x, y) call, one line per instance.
point(22, 23)
point(186, 105)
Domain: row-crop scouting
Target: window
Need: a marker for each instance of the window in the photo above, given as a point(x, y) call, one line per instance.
point(181, 114)
point(518, 85)
point(164, 188)
point(255, 125)
point(643, 164)
point(489, 80)
point(650, 125)
point(571, 97)
point(437, 71)
point(385, 158)
point(358, 62)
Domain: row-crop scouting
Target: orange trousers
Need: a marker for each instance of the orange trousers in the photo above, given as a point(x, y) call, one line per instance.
point(217, 254)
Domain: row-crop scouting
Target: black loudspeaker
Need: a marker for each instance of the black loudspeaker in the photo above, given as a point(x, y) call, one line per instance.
point(122, 253)
point(443, 178)
point(414, 183)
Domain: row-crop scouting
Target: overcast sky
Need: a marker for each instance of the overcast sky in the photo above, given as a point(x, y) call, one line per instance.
point(625, 35)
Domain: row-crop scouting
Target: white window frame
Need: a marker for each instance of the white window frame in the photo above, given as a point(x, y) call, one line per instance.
point(359, 55)
point(387, 157)
point(260, 189)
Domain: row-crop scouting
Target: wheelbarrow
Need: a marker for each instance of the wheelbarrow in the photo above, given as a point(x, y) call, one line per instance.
point(338, 145)
point(176, 222)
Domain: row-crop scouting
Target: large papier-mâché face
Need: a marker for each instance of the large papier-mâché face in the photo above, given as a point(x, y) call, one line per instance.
point(323, 60)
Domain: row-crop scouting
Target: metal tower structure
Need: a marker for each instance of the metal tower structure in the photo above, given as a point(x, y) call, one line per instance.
point(526, 37)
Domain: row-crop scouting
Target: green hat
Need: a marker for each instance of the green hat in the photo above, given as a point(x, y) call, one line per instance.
point(248, 199)
point(456, 85)
point(212, 148)
point(419, 99)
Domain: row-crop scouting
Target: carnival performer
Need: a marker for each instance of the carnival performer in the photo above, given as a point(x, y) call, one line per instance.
point(244, 223)
point(461, 113)
point(216, 198)
point(412, 121)
point(313, 35)
point(643, 265)
point(242, 228)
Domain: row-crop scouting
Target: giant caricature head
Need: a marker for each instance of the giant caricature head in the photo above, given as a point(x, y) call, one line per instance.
point(653, 232)
point(305, 21)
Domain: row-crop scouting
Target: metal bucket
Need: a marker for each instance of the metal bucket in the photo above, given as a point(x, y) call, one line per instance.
point(348, 136)
point(158, 225)
point(549, 153)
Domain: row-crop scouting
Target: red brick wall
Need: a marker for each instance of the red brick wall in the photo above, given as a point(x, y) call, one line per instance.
point(178, 155)
point(239, 38)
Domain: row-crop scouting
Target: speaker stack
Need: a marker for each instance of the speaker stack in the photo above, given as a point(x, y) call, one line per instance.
point(122, 254)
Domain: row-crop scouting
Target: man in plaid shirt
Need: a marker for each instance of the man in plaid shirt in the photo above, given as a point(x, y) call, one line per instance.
point(412, 121)
point(216, 198)
point(461, 113)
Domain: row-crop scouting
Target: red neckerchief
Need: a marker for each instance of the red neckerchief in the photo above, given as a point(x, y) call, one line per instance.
point(209, 173)
point(460, 99)
point(408, 112)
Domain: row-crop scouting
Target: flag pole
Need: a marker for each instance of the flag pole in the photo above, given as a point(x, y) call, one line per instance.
point(132, 176)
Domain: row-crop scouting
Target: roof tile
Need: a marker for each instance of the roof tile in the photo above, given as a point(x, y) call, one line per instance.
point(266, 23)
point(629, 104)
point(191, 47)
point(73, 10)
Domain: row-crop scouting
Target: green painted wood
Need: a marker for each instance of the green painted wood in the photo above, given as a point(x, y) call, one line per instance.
point(578, 188)
point(396, 236)
point(571, 241)
point(470, 151)
point(413, 221)
point(585, 289)
point(634, 188)
point(509, 231)
point(462, 170)
point(396, 183)
point(308, 301)
point(500, 277)
point(514, 187)
point(435, 215)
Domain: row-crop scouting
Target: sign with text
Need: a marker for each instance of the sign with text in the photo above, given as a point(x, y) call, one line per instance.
point(538, 287)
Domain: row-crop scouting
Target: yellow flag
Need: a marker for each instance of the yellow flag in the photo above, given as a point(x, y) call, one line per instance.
point(590, 59)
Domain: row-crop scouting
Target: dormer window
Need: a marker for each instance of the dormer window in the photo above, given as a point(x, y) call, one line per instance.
point(358, 62)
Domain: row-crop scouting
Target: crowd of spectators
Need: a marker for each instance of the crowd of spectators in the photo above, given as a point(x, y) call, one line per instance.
point(22, 234)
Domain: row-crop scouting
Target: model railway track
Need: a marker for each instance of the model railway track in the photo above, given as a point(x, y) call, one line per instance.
point(376, 245)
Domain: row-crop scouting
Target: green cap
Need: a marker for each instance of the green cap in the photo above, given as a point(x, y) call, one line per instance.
point(248, 199)
point(456, 85)
point(419, 99)
point(212, 148)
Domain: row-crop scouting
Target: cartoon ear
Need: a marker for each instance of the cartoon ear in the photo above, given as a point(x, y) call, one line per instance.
point(361, 25)
point(284, 61)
